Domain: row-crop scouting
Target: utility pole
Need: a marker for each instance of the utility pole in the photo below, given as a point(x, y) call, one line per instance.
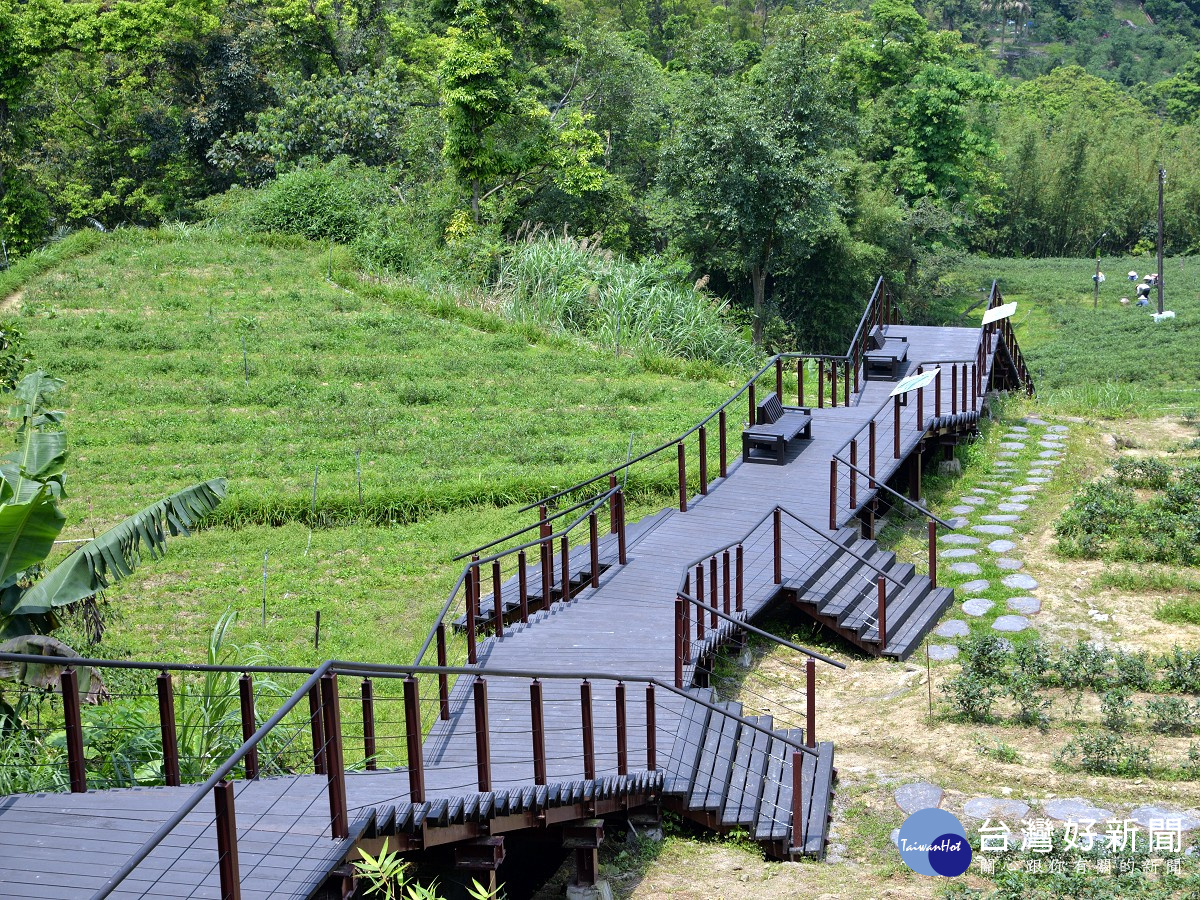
point(1162, 177)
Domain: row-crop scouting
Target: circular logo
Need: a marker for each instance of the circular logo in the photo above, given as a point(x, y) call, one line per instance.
point(934, 842)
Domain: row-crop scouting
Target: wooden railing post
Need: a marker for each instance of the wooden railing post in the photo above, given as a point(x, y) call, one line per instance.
point(896, 427)
point(681, 454)
point(700, 597)
point(246, 704)
point(621, 557)
point(703, 440)
point(73, 724)
point(779, 378)
point(651, 730)
point(798, 830)
point(412, 736)
point(564, 545)
point(722, 441)
point(317, 726)
point(612, 508)
point(937, 393)
point(725, 586)
point(920, 405)
point(589, 732)
point(853, 474)
point(497, 600)
point(833, 383)
point(546, 554)
point(538, 719)
point(777, 529)
point(738, 594)
point(339, 818)
point(472, 587)
point(713, 589)
point(846, 382)
point(881, 610)
point(821, 383)
point(963, 401)
point(443, 678)
point(871, 456)
point(810, 724)
point(166, 724)
point(752, 412)
point(974, 386)
point(833, 494)
point(594, 549)
point(932, 553)
point(622, 733)
point(368, 717)
point(483, 752)
point(227, 849)
point(800, 382)
point(523, 585)
point(680, 640)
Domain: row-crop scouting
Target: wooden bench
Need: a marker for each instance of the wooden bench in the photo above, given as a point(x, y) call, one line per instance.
point(884, 355)
point(776, 426)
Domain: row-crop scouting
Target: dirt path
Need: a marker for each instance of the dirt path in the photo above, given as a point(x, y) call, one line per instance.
point(12, 302)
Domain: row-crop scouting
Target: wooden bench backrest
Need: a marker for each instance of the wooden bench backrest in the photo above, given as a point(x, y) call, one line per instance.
point(770, 409)
point(877, 339)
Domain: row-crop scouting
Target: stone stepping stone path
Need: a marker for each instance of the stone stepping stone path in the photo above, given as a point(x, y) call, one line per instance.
point(958, 539)
point(1003, 517)
point(1060, 429)
point(1028, 488)
point(942, 652)
point(962, 510)
point(975, 587)
point(993, 808)
point(1012, 507)
point(1008, 564)
point(1187, 821)
point(1020, 498)
point(1019, 581)
point(965, 568)
point(953, 628)
point(1038, 479)
point(1002, 464)
point(1008, 454)
point(1049, 454)
point(985, 491)
point(1026, 606)
point(1041, 471)
point(992, 529)
point(922, 795)
point(1010, 623)
point(974, 501)
point(1051, 444)
point(958, 522)
point(977, 606)
point(957, 553)
point(1021, 429)
point(1001, 546)
point(1075, 809)
point(1011, 445)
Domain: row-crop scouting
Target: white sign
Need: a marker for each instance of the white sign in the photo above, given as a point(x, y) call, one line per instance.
point(913, 382)
point(999, 312)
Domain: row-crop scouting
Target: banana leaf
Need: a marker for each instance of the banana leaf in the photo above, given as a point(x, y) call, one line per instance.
point(42, 457)
point(117, 552)
point(28, 528)
point(48, 676)
point(31, 393)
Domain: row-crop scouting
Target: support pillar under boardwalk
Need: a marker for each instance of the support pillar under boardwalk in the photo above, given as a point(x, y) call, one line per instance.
point(585, 838)
point(914, 475)
point(480, 859)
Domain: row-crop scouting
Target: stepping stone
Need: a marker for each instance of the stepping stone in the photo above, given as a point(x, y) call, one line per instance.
point(986, 491)
point(958, 539)
point(977, 606)
point(1015, 435)
point(1051, 462)
point(1007, 454)
point(1027, 488)
point(992, 529)
point(1037, 479)
point(1143, 814)
point(942, 652)
point(1075, 809)
point(1040, 471)
point(1002, 464)
point(1002, 518)
point(1026, 606)
point(962, 510)
point(1009, 565)
point(1002, 484)
point(1020, 498)
point(975, 587)
point(993, 808)
point(922, 795)
point(1059, 429)
point(958, 522)
point(1050, 454)
point(1013, 507)
point(953, 628)
point(1011, 445)
point(1020, 429)
point(1020, 581)
point(974, 501)
point(1052, 442)
point(957, 553)
point(1001, 546)
point(1033, 420)
point(965, 568)
point(1010, 623)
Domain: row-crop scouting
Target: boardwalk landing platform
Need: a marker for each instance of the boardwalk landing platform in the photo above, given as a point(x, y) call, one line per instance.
point(623, 709)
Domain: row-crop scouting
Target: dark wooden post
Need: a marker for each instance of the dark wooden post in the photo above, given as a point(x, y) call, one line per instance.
point(227, 852)
point(700, 597)
point(937, 392)
point(821, 383)
point(651, 731)
point(538, 720)
point(871, 456)
point(714, 588)
point(703, 439)
point(73, 723)
point(777, 543)
point(546, 552)
point(622, 734)
point(564, 546)
point(246, 702)
point(594, 549)
point(738, 593)
point(963, 401)
point(932, 553)
point(722, 442)
point(810, 726)
point(833, 383)
point(953, 389)
point(680, 640)
point(800, 382)
point(339, 818)
point(472, 605)
point(846, 382)
point(412, 735)
point(896, 427)
point(443, 679)
point(523, 585)
point(852, 474)
point(914, 475)
point(881, 610)
point(166, 724)
point(612, 508)
point(833, 494)
point(725, 587)
point(589, 733)
point(682, 477)
point(368, 716)
point(483, 752)
point(753, 407)
point(974, 386)
point(797, 800)
point(497, 600)
point(621, 557)
point(316, 724)
point(779, 378)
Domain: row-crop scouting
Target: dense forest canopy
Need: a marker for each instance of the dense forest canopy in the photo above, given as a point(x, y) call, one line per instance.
point(788, 153)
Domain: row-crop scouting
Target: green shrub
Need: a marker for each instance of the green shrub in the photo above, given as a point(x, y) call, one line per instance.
point(1033, 659)
point(1181, 670)
point(1171, 715)
point(984, 658)
point(1115, 710)
point(1133, 669)
point(1022, 688)
point(972, 698)
point(1098, 513)
point(1148, 473)
point(1083, 665)
point(1102, 752)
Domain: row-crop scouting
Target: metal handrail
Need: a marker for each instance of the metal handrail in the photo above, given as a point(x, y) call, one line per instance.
point(861, 559)
point(559, 514)
point(880, 483)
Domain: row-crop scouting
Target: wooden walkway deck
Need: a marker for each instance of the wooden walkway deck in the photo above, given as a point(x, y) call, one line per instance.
point(714, 764)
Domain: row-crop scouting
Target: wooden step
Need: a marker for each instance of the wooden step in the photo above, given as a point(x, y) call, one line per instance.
point(711, 783)
point(746, 776)
point(919, 624)
point(689, 741)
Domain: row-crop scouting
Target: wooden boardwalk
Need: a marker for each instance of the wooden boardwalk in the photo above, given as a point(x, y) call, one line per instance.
point(705, 759)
